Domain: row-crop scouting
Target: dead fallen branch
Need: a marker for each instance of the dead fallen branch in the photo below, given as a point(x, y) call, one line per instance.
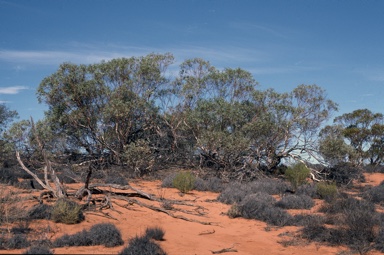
point(224, 250)
point(208, 232)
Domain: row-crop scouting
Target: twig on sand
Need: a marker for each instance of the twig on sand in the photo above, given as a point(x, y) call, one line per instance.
point(230, 249)
point(208, 232)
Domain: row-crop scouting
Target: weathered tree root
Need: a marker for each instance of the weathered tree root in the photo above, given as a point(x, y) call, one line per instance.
point(158, 209)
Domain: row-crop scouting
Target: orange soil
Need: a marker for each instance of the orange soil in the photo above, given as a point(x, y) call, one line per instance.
point(188, 238)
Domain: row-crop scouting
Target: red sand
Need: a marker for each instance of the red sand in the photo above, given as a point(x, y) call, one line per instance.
point(188, 238)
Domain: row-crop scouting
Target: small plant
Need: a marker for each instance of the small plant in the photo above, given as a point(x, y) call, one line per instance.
point(38, 250)
point(375, 194)
point(142, 246)
point(17, 242)
point(100, 234)
point(105, 234)
point(67, 211)
point(297, 175)
point(327, 191)
point(234, 211)
point(184, 182)
point(155, 233)
point(260, 206)
point(79, 239)
point(40, 211)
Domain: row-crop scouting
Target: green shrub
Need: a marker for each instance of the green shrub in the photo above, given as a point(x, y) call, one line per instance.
point(67, 211)
point(327, 191)
point(297, 175)
point(184, 182)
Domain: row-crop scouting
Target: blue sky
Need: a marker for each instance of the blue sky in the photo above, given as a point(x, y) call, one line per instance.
point(338, 45)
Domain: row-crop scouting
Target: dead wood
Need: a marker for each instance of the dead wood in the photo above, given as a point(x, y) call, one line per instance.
point(230, 249)
point(208, 232)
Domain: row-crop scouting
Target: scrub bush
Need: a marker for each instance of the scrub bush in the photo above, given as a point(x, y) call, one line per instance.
point(142, 246)
point(296, 202)
point(105, 234)
point(184, 182)
point(155, 233)
point(297, 175)
point(67, 212)
point(38, 250)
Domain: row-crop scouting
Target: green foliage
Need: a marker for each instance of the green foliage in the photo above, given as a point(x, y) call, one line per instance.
point(67, 211)
point(327, 191)
point(356, 137)
point(184, 181)
point(297, 175)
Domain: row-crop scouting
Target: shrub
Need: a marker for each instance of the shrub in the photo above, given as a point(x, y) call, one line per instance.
point(379, 241)
point(116, 178)
point(142, 246)
point(155, 233)
point(67, 211)
point(347, 204)
point(344, 173)
point(40, 211)
point(306, 219)
point(200, 184)
point(234, 211)
point(308, 189)
point(268, 185)
point(38, 250)
point(212, 184)
point(100, 234)
point(375, 194)
point(297, 175)
point(168, 181)
point(17, 242)
point(259, 206)
point(21, 228)
point(296, 202)
point(235, 192)
point(327, 191)
point(318, 233)
point(105, 234)
point(184, 182)
point(79, 239)
point(8, 176)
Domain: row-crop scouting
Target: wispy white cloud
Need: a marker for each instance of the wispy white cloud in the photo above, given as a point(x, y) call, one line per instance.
point(88, 53)
point(12, 90)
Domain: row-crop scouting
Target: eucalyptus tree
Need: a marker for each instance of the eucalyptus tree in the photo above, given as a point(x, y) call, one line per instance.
point(103, 108)
point(6, 117)
point(362, 132)
point(286, 125)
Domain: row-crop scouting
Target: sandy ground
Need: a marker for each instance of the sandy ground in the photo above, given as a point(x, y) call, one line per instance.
point(188, 238)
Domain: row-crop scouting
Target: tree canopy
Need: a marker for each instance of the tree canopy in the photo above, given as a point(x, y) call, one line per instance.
point(134, 112)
